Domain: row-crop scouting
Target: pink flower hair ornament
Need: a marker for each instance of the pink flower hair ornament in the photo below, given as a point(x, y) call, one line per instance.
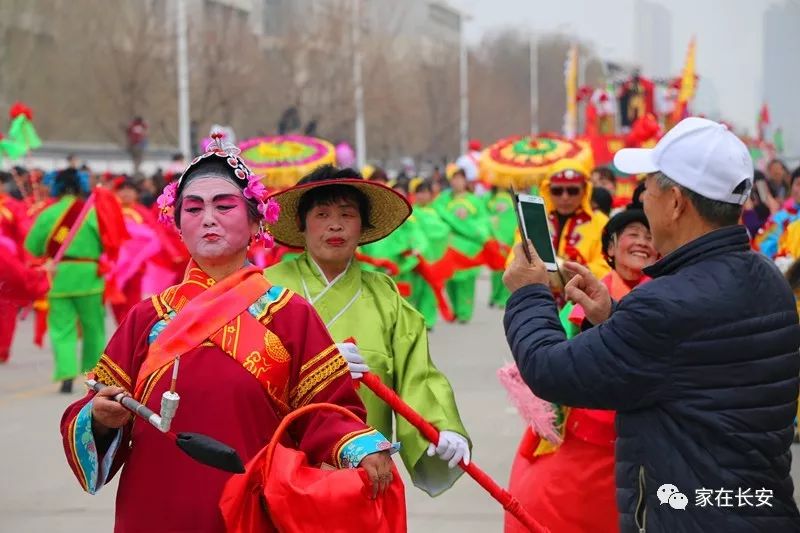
point(254, 190)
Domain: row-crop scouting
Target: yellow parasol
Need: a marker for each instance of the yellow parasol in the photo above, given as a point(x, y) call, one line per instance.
point(281, 160)
point(524, 162)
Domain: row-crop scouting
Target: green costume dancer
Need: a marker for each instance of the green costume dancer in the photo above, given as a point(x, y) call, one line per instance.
point(365, 307)
point(500, 205)
point(399, 248)
point(424, 234)
point(76, 294)
point(436, 235)
point(466, 215)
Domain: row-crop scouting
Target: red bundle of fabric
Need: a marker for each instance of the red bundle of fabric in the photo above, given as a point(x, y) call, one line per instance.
point(301, 498)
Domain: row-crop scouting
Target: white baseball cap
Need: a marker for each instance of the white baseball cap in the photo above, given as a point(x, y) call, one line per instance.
point(699, 154)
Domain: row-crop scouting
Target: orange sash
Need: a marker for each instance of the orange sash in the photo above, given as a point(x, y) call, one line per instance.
point(217, 312)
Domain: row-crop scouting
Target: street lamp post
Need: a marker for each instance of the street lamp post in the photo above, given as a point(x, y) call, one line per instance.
point(183, 83)
point(464, 85)
point(534, 74)
point(361, 139)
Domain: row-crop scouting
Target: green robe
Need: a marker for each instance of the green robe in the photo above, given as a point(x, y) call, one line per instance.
point(436, 235)
point(391, 336)
point(468, 236)
point(500, 206)
point(397, 248)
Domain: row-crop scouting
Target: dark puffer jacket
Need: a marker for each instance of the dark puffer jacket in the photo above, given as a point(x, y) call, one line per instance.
point(702, 367)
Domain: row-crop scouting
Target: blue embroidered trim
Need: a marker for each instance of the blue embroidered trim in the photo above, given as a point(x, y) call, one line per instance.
point(256, 309)
point(356, 449)
point(86, 451)
point(158, 327)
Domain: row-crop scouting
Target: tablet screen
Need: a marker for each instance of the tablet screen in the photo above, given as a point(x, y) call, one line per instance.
point(535, 219)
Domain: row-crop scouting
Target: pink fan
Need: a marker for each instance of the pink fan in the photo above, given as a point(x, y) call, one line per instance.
point(538, 413)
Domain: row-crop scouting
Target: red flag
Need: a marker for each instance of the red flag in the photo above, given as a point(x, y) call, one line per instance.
point(764, 115)
point(763, 121)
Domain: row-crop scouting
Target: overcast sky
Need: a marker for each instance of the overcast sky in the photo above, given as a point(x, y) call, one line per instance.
point(729, 34)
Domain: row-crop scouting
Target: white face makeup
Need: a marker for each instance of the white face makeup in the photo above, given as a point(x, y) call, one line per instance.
point(214, 220)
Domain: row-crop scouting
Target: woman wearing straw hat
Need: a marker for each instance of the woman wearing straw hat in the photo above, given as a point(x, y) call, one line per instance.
point(329, 213)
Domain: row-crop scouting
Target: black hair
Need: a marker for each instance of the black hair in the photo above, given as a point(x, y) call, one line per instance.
point(617, 224)
point(212, 165)
point(425, 186)
point(781, 163)
point(21, 171)
point(5, 177)
point(127, 183)
point(378, 175)
point(636, 198)
point(402, 184)
point(606, 173)
point(330, 194)
point(70, 182)
point(602, 198)
point(759, 205)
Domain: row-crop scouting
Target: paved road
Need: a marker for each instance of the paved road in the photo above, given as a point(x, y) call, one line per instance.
point(38, 493)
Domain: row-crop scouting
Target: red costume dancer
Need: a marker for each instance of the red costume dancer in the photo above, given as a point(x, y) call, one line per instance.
point(11, 224)
point(143, 245)
point(38, 200)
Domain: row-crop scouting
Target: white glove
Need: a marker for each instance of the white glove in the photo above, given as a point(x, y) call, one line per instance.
point(354, 359)
point(452, 448)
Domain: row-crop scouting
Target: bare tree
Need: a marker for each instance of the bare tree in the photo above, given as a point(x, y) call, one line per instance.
point(125, 58)
point(227, 72)
point(91, 65)
point(500, 84)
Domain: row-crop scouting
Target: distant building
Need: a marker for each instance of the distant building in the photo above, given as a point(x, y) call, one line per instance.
point(652, 34)
point(415, 26)
point(430, 28)
point(781, 77)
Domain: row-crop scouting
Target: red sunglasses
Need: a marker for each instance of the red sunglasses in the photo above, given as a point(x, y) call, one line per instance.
point(556, 190)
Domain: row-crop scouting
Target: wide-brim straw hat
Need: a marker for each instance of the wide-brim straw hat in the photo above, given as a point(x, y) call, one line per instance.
point(388, 209)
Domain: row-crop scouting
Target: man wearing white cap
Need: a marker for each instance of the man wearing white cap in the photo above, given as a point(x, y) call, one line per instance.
point(701, 363)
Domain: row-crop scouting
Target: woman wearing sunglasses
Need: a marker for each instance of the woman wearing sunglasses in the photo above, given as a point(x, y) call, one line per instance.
point(576, 227)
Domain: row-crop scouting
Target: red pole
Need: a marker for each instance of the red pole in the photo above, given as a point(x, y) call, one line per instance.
point(428, 431)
